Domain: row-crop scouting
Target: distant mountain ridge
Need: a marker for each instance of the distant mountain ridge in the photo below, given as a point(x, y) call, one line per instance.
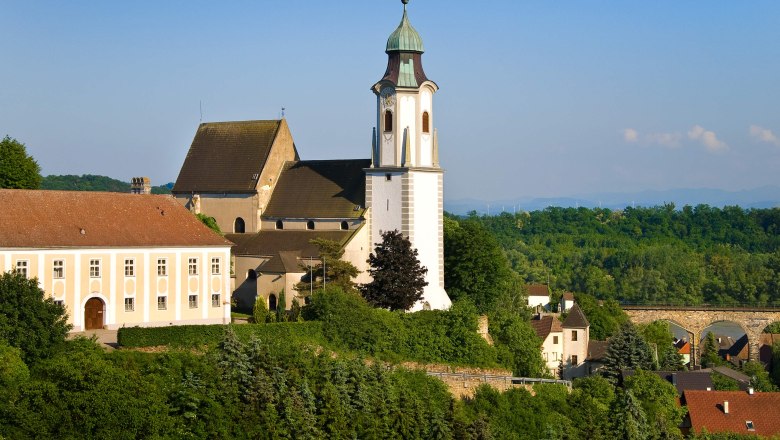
point(761, 197)
point(91, 182)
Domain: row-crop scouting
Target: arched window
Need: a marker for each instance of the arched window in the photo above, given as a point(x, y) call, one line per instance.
point(310, 224)
point(251, 274)
point(344, 226)
point(239, 227)
point(426, 122)
point(388, 121)
point(272, 302)
point(279, 224)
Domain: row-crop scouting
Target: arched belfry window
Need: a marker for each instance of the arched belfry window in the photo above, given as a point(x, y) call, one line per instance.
point(426, 122)
point(388, 120)
point(310, 224)
point(279, 224)
point(239, 227)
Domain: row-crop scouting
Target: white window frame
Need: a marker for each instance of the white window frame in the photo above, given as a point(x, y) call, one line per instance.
point(94, 267)
point(216, 299)
point(129, 304)
point(192, 300)
point(162, 263)
point(165, 302)
point(58, 266)
point(22, 267)
point(216, 264)
point(129, 267)
point(192, 266)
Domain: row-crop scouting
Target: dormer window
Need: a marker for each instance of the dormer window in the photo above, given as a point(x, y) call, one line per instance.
point(388, 121)
point(279, 224)
point(749, 425)
point(426, 122)
point(310, 225)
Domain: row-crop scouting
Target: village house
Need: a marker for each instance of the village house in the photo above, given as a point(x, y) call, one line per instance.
point(739, 412)
point(117, 260)
point(550, 331)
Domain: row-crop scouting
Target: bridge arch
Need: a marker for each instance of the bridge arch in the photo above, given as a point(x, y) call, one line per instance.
point(698, 318)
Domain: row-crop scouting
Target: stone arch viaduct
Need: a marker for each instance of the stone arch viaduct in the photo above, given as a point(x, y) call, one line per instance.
point(694, 319)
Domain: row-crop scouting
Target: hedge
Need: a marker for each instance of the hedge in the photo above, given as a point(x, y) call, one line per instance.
point(209, 335)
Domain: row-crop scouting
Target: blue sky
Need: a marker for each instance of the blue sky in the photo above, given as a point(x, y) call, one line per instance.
point(536, 98)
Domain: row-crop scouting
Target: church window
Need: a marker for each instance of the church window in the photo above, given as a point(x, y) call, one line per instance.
point(129, 267)
point(94, 268)
point(129, 304)
point(426, 122)
point(193, 301)
point(344, 226)
point(21, 267)
point(279, 224)
point(388, 121)
point(216, 263)
point(215, 300)
point(574, 335)
point(310, 224)
point(239, 226)
point(192, 266)
point(162, 303)
point(162, 267)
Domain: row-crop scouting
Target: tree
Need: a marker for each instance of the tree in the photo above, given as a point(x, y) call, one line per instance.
point(28, 320)
point(709, 352)
point(17, 169)
point(517, 344)
point(331, 269)
point(398, 279)
point(759, 377)
point(475, 266)
point(659, 403)
point(629, 421)
point(627, 350)
point(211, 222)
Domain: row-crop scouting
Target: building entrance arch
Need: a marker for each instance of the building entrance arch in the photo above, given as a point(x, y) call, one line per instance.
point(94, 314)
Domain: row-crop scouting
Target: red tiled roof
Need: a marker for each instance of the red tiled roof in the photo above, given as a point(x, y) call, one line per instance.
point(706, 411)
point(67, 219)
point(545, 325)
point(683, 347)
point(537, 290)
point(568, 296)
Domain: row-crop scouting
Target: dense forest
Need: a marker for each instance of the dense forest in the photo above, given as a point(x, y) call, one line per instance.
point(694, 255)
point(90, 182)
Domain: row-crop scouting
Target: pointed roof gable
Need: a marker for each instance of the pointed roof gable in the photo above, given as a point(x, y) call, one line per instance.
point(229, 156)
point(576, 319)
point(545, 325)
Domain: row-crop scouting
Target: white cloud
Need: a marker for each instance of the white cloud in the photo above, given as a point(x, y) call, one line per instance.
point(630, 135)
point(707, 138)
point(764, 135)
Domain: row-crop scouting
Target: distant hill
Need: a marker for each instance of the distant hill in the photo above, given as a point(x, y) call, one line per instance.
point(763, 197)
point(91, 182)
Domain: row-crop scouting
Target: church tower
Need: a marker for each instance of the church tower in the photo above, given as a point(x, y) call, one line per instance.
point(404, 185)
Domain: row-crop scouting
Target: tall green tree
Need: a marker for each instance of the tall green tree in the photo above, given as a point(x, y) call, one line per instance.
point(475, 266)
point(29, 320)
point(709, 352)
point(398, 279)
point(659, 403)
point(629, 421)
point(18, 170)
point(331, 270)
point(211, 222)
point(627, 350)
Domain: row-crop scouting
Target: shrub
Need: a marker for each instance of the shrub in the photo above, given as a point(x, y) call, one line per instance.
point(259, 311)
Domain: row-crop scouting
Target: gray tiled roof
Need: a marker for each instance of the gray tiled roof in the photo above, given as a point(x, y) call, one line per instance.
point(226, 156)
point(320, 189)
point(271, 243)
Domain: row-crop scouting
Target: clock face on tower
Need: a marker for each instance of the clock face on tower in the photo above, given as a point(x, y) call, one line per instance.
point(387, 96)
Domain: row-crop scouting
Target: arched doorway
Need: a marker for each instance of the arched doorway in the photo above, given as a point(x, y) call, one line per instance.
point(239, 227)
point(94, 314)
point(272, 302)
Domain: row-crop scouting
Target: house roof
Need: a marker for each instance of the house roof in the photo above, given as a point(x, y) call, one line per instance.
point(282, 262)
point(736, 375)
point(272, 243)
point(568, 296)
point(575, 318)
point(538, 290)
point(56, 219)
point(227, 156)
point(320, 189)
point(544, 325)
point(597, 350)
point(706, 411)
point(683, 347)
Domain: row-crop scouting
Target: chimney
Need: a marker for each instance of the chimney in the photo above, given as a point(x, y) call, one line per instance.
point(140, 185)
point(725, 407)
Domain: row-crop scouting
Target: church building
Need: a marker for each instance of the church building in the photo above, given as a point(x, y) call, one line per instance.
point(249, 177)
